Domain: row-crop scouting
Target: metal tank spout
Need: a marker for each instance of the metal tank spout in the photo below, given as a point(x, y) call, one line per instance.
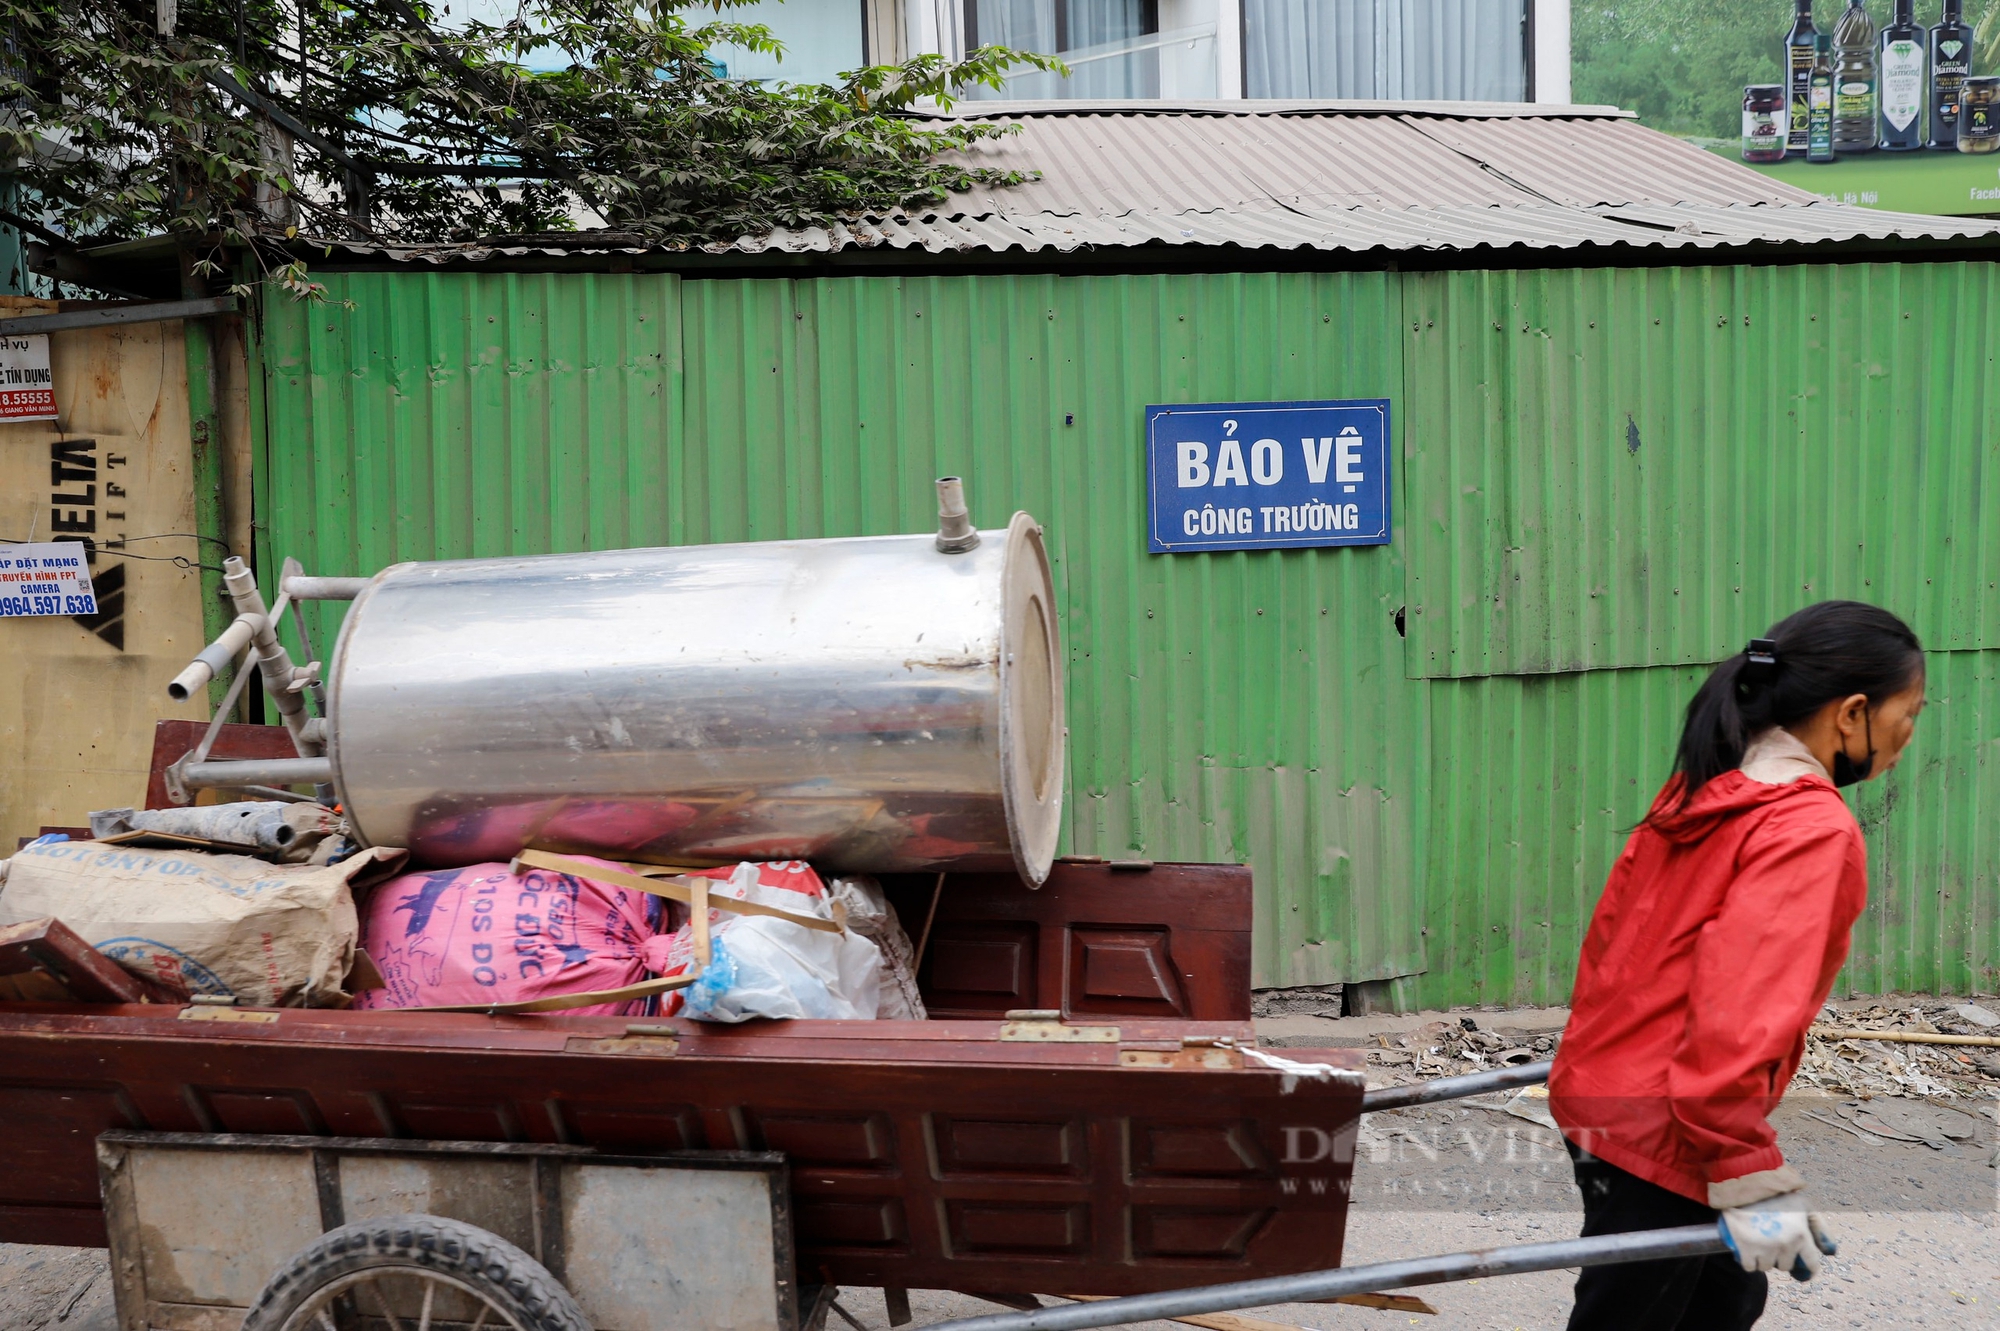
point(956, 534)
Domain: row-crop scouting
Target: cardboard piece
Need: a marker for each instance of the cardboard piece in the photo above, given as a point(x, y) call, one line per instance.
point(44, 961)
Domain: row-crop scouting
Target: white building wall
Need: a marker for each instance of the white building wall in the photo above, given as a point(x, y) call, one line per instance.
point(1551, 80)
point(1229, 49)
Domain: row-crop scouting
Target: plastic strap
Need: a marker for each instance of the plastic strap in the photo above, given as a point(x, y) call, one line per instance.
point(698, 922)
point(557, 1002)
point(541, 859)
point(1293, 1068)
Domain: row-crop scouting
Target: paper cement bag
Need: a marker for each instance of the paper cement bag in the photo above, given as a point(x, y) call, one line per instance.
point(273, 935)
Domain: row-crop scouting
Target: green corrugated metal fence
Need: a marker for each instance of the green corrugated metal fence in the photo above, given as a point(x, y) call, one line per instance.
point(1578, 495)
point(1721, 444)
point(1535, 779)
point(1626, 468)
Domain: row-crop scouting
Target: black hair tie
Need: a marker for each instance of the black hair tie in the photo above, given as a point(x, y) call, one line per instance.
point(1760, 661)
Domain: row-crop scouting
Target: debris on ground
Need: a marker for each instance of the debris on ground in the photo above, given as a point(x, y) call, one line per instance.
point(1532, 1103)
point(1865, 1070)
point(1319, 1000)
point(1887, 1094)
point(1453, 1047)
point(1977, 1015)
point(1854, 1069)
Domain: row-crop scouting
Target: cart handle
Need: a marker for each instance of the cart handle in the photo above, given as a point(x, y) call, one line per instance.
point(1455, 1088)
point(1314, 1286)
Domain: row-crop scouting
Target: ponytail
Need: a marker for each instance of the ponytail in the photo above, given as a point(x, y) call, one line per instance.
point(1824, 652)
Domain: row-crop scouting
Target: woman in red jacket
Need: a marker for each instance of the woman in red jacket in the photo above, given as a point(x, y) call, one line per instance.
point(1714, 946)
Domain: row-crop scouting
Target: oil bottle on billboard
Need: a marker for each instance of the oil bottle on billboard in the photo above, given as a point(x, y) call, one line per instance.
point(1801, 47)
point(1951, 61)
point(1819, 103)
point(1900, 89)
point(1854, 83)
point(1900, 60)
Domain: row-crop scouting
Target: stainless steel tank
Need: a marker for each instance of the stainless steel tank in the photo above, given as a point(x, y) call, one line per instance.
point(872, 704)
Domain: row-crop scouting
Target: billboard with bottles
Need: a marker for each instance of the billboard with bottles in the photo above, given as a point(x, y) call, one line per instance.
point(1885, 103)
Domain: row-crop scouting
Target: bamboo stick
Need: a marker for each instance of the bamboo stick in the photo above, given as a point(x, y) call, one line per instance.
point(1907, 1037)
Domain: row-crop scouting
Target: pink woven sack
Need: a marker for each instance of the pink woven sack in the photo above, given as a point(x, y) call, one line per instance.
point(483, 935)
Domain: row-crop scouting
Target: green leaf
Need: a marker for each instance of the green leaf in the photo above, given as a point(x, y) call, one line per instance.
point(632, 126)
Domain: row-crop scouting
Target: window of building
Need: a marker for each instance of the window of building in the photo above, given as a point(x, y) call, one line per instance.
point(823, 39)
point(1114, 48)
point(1399, 50)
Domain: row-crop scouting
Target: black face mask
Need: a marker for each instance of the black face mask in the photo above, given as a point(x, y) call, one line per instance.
point(1846, 771)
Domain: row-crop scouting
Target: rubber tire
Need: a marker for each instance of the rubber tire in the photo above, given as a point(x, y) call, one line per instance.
point(512, 1280)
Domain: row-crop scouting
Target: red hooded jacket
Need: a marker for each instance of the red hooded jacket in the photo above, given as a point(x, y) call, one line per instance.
point(1714, 946)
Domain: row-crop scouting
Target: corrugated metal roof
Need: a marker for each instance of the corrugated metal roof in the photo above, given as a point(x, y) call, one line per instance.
point(1589, 162)
point(1345, 176)
point(1102, 165)
point(1278, 106)
point(1105, 163)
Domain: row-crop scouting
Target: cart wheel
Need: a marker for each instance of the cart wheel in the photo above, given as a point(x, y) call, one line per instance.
point(418, 1272)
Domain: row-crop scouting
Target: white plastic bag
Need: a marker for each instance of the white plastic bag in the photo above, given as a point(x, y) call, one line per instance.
point(766, 967)
point(870, 915)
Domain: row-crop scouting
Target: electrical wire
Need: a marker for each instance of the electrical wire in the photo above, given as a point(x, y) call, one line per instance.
point(179, 561)
point(187, 535)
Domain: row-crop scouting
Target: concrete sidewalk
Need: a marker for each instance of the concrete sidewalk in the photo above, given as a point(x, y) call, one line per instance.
point(1355, 1032)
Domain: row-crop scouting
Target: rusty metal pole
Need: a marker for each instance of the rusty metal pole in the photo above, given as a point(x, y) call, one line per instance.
point(1455, 1088)
point(205, 446)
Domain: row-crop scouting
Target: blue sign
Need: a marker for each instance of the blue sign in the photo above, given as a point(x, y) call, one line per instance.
point(1267, 475)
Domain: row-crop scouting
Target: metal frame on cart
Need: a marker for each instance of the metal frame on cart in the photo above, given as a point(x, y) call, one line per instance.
point(201, 1225)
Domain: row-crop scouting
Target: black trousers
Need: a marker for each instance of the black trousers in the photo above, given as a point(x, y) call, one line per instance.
point(1681, 1294)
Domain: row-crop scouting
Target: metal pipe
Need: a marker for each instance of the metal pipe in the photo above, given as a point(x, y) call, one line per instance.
point(258, 772)
point(154, 311)
point(281, 681)
point(212, 658)
point(956, 534)
point(273, 793)
point(302, 588)
point(1456, 1088)
point(177, 792)
point(206, 470)
point(287, 575)
point(1603, 1250)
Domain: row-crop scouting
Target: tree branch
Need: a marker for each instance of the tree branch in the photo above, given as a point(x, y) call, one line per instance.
point(409, 15)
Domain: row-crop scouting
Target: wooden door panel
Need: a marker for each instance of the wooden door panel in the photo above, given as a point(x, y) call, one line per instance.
point(1166, 941)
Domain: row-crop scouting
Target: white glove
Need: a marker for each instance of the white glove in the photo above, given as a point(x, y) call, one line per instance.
point(1777, 1234)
